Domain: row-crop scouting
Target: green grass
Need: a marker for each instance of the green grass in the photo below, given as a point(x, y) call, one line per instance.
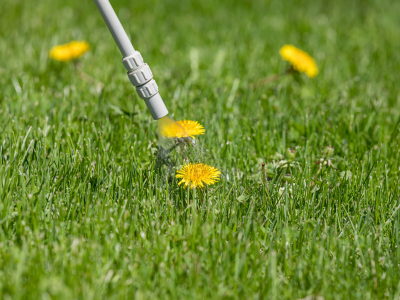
point(83, 213)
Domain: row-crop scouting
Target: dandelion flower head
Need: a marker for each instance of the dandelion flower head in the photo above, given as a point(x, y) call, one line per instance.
point(300, 60)
point(67, 52)
point(197, 174)
point(192, 128)
point(181, 129)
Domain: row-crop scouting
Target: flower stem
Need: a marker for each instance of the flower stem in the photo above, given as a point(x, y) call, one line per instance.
point(184, 154)
point(264, 173)
point(271, 78)
point(201, 196)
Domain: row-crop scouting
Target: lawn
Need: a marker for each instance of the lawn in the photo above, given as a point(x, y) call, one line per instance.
point(85, 213)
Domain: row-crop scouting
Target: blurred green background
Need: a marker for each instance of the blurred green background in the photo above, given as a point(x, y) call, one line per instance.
point(198, 48)
point(83, 225)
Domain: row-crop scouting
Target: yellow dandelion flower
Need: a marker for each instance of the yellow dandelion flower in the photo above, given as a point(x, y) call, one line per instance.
point(67, 52)
point(169, 128)
point(300, 60)
point(180, 129)
point(195, 175)
point(192, 128)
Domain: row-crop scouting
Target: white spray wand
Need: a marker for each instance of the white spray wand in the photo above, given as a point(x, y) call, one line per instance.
point(139, 72)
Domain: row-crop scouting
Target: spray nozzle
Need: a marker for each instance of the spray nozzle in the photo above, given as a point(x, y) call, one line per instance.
point(139, 72)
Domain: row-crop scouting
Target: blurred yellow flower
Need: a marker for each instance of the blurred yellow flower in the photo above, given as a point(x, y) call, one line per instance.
point(195, 175)
point(300, 60)
point(67, 52)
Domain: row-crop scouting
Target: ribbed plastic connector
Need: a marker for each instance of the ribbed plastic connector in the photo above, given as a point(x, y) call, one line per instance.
point(133, 62)
point(148, 90)
point(141, 76)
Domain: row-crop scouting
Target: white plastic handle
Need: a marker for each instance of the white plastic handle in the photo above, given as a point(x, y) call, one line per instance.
point(139, 73)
